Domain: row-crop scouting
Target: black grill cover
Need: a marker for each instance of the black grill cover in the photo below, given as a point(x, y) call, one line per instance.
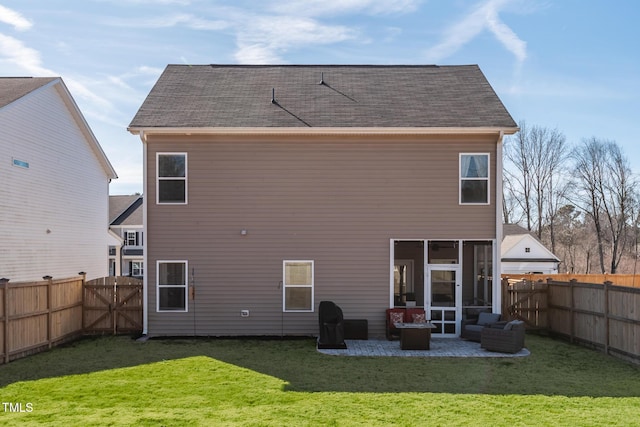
point(331, 323)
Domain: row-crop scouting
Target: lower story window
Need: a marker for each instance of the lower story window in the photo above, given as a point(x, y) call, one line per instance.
point(297, 286)
point(172, 285)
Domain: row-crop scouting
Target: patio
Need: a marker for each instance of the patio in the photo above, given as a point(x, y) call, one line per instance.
point(440, 347)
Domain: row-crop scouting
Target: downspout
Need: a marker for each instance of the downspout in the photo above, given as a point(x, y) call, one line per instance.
point(145, 248)
point(497, 267)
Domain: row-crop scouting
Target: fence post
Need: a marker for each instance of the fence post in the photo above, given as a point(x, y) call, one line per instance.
point(114, 315)
point(49, 280)
point(572, 329)
point(83, 290)
point(5, 285)
point(606, 316)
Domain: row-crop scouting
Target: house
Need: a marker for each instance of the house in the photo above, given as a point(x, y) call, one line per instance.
point(522, 252)
point(125, 221)
point(55, 184)
point(269, 189)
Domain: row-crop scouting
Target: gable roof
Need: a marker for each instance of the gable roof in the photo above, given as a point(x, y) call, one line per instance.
point(324, 96)
point(515, 236)
point(125, 210)
point(15, 89)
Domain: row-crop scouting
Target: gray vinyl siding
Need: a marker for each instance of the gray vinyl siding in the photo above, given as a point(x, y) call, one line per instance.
point(337, 203)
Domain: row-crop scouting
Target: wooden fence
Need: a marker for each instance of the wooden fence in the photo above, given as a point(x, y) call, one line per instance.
point(113, 305)
point(604, 316)
point(35, 316)
point(632, 280)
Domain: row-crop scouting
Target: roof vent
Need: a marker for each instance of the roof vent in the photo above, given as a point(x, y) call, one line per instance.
point(321, 79)
point(273, 96)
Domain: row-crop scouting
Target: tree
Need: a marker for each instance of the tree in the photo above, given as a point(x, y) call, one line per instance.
point(606, 193)
point(534, 175)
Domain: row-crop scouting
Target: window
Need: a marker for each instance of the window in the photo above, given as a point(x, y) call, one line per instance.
point(297, 286)
point(172, 285)
point(132, 238)
point(474, 179)
point(172, 178)
point(137, 268)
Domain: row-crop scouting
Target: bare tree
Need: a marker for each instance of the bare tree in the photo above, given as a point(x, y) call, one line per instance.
point(536, 155)
point(605, 192)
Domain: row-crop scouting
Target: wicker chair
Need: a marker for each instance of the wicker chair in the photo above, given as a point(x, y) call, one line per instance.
point(510, 339)
point(471, 328)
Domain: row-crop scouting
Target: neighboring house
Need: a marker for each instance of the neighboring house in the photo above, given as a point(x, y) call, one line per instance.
point(269, 189)
point(522, 252)
point(55, 184)
point(125, 221)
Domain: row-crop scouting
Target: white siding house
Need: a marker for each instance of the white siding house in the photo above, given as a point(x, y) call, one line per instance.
point(55, 184)
point(522, 253)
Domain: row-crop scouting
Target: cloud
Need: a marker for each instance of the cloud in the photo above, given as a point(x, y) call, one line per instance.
point(265, 38)
point(484, 17)
point(323, 7)
point(25, 58)
point(15, 19)
point(173, 20)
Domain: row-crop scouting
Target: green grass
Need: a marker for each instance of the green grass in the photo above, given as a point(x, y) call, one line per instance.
point(118, 381)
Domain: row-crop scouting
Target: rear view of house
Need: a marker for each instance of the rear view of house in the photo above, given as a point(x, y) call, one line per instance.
point(55, 184)
point(271, 188)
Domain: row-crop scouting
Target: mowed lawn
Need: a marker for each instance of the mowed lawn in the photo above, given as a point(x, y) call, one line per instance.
point(210, 382)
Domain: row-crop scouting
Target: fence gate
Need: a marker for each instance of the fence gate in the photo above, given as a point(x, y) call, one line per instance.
point(526, 301)
point(112, 305)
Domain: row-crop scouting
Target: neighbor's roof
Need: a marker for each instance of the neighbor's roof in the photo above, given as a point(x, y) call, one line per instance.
point(125, 210)
point(13, 88)
point(368, 96)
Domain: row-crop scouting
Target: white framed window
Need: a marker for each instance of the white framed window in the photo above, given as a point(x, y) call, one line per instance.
point(132, 238)
point(171, 183)
point(474, 178)
point(297, 289)
point(137, 268)
point(171, 286)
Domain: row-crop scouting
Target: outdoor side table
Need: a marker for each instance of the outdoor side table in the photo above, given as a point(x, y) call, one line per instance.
point(415, 336)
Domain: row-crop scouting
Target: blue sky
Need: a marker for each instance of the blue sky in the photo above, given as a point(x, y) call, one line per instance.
point(570, 64)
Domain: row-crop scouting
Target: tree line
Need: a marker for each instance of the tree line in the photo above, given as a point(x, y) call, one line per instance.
point(580, 200)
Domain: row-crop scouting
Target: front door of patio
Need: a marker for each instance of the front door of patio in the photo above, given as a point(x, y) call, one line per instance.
point(444, 299)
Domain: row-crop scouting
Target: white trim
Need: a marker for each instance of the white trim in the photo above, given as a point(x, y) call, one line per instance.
point(186, 285)
point(145, 277)
point(285, 286)
point(497, 249)
point(319, 130)
point(392, 259)
point(488, 179)
point(186, 178)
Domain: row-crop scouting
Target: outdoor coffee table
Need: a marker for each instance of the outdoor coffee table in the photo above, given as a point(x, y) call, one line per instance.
point(415, 336)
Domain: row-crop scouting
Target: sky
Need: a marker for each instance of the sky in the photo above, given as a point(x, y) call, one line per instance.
point(573, 65)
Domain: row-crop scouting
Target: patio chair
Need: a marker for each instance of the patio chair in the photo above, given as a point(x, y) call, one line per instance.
point(401, 315)
point(471, 328)
point(509, 339)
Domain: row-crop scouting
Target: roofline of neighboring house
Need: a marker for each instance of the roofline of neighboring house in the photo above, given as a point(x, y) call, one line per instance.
point(125, 210)
point(529, 260)
point(84, 127)
point(144, 131)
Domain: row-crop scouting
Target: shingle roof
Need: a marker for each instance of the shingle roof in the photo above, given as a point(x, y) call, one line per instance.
point(125, 210)
point(350, 96)
point(13, 88)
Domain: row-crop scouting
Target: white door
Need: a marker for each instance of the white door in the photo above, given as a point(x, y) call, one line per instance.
point(443, 299)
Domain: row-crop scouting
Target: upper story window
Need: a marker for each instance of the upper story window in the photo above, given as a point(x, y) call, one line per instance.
point(132, 238)
point(171, 185)
point(474, 178)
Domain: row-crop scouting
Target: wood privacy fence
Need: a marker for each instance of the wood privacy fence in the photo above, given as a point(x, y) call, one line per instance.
point(632, 280)
point(35, 316)
point(603, 316)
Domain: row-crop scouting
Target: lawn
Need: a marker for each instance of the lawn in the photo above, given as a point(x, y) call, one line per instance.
point(118, 381)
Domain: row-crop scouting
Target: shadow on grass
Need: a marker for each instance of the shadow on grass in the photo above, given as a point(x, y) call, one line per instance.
point(554, 367)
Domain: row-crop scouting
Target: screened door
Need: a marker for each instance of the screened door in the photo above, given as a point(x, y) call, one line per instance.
point(445, 299)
